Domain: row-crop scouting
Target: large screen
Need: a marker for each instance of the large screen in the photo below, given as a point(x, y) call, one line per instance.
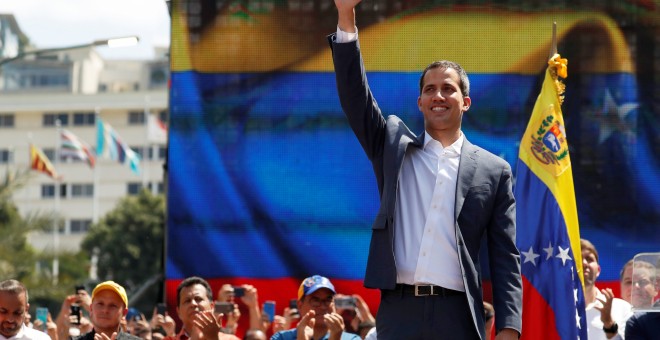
point(267, 183)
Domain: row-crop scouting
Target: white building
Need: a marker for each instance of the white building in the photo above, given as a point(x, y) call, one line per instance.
point(71, 86)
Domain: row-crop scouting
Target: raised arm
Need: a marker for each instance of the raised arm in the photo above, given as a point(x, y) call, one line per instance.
point(346, 11)
point(355, 97)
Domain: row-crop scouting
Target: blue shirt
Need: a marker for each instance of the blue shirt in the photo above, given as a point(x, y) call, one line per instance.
point(291, 334)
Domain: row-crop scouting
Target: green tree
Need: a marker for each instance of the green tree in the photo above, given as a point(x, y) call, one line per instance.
point(16, 255)
point(129, 245)
point(18, 260)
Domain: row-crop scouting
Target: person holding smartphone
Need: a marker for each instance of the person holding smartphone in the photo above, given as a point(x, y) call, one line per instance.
point(319, 319)
point(109, 304)
point(14, 304)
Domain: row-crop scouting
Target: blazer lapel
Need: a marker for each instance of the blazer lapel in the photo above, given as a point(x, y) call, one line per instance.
point(466, 169)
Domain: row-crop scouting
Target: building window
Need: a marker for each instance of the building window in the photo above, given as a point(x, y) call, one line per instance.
point(80, 226)
point(160, 188)
point(136, 118)
point(50, 153)
point(6, 120)
point(162, 152)
point(133, 188)
point(84, 118)
point(163, 115)
point(82, 190)
point(138, 150)
point(51, 118)
point(5, 156)
point(48, 190)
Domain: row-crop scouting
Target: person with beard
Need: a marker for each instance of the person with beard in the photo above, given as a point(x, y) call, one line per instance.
point(606, 315)
point(13, 311)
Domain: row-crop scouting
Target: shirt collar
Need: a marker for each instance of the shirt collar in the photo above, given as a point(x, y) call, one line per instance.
point(454, 149)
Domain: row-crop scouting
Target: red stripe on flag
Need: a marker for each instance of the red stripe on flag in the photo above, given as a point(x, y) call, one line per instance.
point(538, 318)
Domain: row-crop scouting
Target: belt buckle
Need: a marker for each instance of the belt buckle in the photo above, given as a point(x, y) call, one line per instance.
point(417, 293)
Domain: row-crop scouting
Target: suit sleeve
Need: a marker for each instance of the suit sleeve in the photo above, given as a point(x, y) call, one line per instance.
point(504, 257)
point(356, 98)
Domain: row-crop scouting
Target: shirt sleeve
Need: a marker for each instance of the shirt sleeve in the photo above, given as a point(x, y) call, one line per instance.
point(345, 37)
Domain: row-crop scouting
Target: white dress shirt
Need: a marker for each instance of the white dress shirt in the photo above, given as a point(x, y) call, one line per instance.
point(27, 333)
point(621, 311)
point(425, 249)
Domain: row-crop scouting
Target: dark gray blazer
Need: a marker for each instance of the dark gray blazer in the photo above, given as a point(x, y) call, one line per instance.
point(484, 199)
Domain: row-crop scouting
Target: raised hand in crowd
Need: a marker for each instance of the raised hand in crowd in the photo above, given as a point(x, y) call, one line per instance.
point(251, 300)
point(305, 328)
point(206, 325)
point(164, 322)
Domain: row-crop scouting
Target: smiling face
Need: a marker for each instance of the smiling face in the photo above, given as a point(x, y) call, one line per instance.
point(643, 287)
point(13, 307)
point(106, 311)
point(442, 103)
point(321, 302)
point(590, 267)
point(626, 283)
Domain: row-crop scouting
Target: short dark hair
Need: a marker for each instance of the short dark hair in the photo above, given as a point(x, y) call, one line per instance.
point(14, 287)
point(191, 281)
point(446, 64)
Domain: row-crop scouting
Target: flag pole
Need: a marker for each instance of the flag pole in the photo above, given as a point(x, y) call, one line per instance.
point(58, 183)
point(553, 49)
point(148, 145)
point(95, 192)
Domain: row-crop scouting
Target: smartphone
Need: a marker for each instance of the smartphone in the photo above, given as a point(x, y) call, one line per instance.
point(161, 308)
point(269, 309)
point(345, 302)
point(224, 307)
point(75, 313)
point(293, 305)
point(239, 291)
point(42, 314)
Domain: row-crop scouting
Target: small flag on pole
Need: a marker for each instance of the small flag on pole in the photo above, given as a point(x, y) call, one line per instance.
point(156, 129)
point(41, 163)
point(109, 145)
point(72, 146)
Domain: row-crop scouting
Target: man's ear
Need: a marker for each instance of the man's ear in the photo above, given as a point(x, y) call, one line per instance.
point(419, 103)
point(467, 101)
point(125, 311)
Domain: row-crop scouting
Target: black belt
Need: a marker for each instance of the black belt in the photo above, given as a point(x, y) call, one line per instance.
point(426, 290)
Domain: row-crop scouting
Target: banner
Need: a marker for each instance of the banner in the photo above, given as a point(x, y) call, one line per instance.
point(267, 183)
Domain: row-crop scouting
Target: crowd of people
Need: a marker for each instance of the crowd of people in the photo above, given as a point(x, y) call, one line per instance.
point(320, 312)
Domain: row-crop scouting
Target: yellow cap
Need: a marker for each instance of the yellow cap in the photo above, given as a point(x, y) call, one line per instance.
point(113, 286)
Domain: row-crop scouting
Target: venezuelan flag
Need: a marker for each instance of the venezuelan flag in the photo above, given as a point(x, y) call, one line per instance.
point(547, 225)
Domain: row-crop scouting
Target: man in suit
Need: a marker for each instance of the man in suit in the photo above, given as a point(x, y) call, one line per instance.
point(439, 196)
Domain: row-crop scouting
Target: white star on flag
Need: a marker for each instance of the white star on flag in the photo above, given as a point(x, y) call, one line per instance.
point(530, 256)
point(549, 251)
point(563, 255)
